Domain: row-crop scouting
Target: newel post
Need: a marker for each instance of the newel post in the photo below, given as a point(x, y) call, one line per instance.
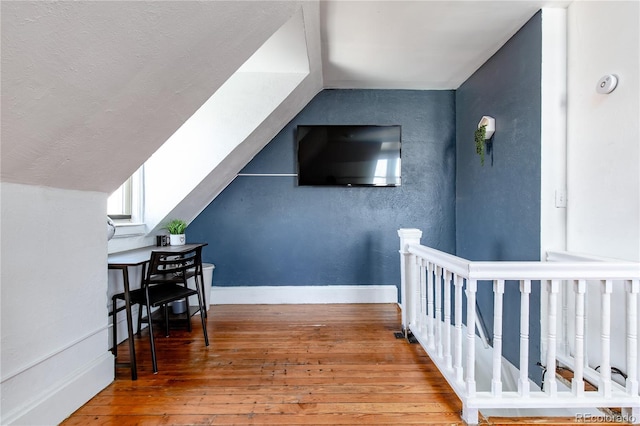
point(408, 236)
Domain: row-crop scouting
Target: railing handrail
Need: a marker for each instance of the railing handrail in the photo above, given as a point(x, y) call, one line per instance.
point(433, 310)
point(534, 270)
point(452, 263)
point(553, 271)
point(570, 256)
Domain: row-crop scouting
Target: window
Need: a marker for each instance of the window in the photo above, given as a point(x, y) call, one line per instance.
point(125, 203)
point(119, 203)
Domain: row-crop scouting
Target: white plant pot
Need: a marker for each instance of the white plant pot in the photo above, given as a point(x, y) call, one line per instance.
point(177, 239)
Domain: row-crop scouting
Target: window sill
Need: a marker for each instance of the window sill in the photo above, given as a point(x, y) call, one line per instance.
point(128, 229)
point(130, 235)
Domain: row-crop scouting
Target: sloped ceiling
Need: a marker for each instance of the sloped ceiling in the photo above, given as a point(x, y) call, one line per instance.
point(91, 89)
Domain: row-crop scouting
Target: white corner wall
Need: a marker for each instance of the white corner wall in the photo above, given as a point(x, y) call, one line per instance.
point(603, 135)
point(603, 150)
point(55, 353)
point(554, 129)
point(553, 217)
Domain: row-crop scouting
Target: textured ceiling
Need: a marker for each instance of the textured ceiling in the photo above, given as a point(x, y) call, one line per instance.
point(415, 44)
point(91, 89)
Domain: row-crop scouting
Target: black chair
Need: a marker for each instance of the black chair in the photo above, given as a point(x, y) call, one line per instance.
point(164, 282)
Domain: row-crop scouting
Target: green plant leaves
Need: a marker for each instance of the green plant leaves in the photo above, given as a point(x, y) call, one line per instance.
point(176, 226)
point(479, 135)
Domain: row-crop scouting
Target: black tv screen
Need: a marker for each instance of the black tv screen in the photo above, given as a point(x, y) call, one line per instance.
point(349, 155)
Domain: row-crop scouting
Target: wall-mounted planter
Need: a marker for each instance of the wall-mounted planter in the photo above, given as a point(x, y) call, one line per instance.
point(490, 124)
point(486, 129)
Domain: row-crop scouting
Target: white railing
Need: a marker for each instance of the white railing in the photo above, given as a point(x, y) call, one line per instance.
point(433, 283)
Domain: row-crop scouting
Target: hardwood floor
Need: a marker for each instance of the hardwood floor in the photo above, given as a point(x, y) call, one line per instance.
point(282, 365)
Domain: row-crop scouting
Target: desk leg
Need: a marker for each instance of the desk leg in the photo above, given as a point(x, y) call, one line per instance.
point(127, 303)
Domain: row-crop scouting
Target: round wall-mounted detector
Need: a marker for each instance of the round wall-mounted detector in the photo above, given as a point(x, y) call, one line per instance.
point(607, 83)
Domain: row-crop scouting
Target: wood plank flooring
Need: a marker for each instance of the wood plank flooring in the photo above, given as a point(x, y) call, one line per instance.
point(282, 365)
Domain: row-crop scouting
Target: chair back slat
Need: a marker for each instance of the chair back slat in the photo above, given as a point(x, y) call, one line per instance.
point(166, 262)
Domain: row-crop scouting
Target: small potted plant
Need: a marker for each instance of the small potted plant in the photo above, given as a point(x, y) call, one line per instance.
point(176, 228)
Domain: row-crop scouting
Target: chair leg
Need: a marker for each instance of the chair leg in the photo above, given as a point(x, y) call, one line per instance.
point(203, 319)
point(204, 328)
point(187, 315)
point(165, 310)
point(140, 319)
point(200, 281)
point(152, 341)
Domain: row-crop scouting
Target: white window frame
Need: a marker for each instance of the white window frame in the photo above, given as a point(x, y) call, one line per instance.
point(130, 220)
point(122, 196)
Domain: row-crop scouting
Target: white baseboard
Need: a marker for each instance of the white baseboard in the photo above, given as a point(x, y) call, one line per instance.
point(59, 401)
point(304, 294)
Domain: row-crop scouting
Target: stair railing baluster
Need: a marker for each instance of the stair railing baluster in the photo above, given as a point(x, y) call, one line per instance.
point(523, 381)
point(498, 295)
point(577, 383)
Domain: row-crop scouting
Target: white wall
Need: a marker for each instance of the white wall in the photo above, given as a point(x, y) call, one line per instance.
point(554, 129)
point(603, 213)
point(603, 149)
point(53, 306)
point(553, 154)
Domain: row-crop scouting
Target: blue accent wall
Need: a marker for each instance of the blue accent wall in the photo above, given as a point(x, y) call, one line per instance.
point(268, 231)
point(498, 205)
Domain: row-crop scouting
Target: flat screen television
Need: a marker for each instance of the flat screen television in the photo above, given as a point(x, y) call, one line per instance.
point(358, 155)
